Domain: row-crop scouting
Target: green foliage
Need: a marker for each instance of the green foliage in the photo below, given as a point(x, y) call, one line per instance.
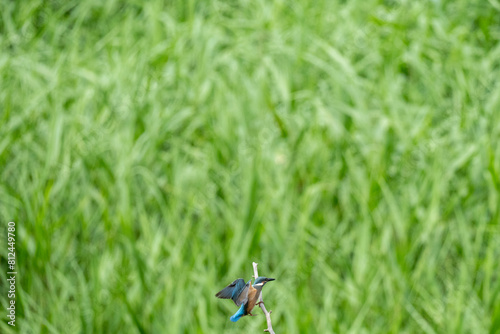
point(151, 151)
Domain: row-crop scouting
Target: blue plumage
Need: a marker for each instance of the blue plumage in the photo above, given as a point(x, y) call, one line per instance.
point(239, 314)
point(237, 291)
point(243, 295)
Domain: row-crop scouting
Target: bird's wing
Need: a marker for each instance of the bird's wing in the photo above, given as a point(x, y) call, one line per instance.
point(243, 296)
point(237, 291)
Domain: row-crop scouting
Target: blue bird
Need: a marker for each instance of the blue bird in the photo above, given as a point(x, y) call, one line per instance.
point(244, 295)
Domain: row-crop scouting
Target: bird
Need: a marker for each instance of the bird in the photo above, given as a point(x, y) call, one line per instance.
point(244, 295)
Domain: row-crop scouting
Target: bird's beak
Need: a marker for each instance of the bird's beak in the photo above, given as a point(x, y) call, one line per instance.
point(271, 279)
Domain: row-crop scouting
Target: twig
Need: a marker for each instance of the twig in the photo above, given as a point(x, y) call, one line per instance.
point(261, 304)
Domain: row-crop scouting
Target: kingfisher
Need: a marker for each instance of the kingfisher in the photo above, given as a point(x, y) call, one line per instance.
point(244, 295)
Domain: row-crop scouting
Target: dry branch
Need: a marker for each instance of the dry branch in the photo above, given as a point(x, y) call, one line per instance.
point(261, 304)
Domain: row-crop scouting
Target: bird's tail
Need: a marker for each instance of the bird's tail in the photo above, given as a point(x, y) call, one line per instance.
point(239, 314)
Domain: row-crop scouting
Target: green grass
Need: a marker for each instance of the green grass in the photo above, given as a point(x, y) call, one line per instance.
point(150, 152)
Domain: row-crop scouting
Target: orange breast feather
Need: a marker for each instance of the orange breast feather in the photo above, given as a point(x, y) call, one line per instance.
point(252, 299)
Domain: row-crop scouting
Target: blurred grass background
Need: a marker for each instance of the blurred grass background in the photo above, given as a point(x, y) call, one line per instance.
point(151, 150)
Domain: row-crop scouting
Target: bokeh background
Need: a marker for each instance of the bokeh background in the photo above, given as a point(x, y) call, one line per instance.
point(151, 150)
